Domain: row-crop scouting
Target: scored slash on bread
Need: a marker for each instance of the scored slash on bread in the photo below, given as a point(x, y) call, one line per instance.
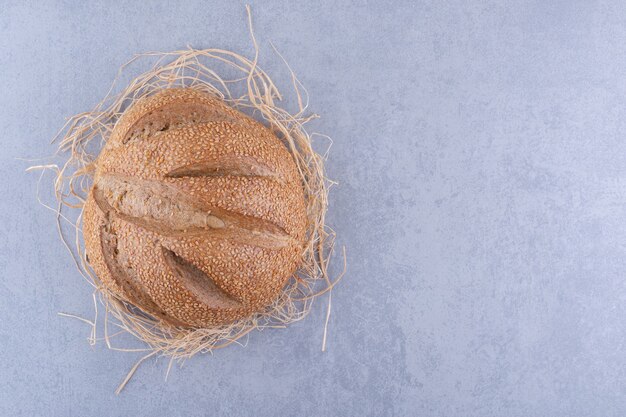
point(163, 209)
point(197, 213)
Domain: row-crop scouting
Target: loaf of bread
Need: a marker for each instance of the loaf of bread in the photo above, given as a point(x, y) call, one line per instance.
point(197, 212)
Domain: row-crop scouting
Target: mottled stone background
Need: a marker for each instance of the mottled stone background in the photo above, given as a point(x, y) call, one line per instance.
point(480, 151)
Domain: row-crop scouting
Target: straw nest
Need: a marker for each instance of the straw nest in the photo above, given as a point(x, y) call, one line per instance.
point(248, 89)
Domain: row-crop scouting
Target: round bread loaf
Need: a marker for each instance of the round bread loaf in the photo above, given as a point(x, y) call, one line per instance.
point(197, 213)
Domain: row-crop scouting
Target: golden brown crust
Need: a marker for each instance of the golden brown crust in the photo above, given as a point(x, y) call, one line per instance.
point(197, 213)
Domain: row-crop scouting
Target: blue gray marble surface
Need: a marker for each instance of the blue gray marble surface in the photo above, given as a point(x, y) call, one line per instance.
point(480, 152)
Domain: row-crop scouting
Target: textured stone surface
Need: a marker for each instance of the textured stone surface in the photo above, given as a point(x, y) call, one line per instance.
point(480, 152)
